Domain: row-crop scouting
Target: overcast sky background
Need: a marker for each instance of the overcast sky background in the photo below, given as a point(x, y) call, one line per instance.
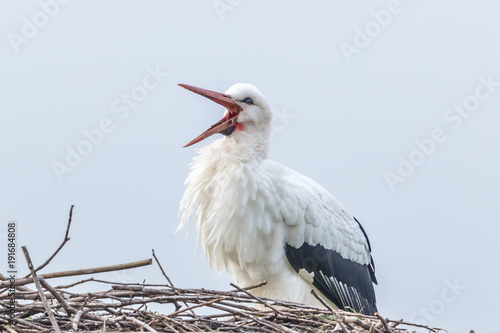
point(351, 106)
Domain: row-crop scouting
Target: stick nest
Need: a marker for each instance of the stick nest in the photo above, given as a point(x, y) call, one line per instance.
point(140, 307)
point(125, 307)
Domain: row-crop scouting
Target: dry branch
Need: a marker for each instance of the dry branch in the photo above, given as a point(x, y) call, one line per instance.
point(40, 291)
point(161, 269)
point(102, 269)
point(66, 239)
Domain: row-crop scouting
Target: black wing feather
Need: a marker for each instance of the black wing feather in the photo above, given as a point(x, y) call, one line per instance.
point(348, 284)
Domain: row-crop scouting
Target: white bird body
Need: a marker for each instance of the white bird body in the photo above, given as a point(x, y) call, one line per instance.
point(254, 215)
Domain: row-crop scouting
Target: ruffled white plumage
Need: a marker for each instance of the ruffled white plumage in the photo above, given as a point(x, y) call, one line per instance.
point(245, 210)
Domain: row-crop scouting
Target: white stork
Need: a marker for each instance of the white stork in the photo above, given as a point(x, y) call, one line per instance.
point(260, 220)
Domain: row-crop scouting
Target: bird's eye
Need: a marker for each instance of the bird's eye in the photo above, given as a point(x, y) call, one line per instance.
point(247, 100)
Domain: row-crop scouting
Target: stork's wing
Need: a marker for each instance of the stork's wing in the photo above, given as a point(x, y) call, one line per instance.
point(325, 240)
point(344, 282)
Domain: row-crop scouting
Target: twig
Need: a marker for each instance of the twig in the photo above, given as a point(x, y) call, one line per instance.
point(384, 323)
point(40, 292)
point(102, 269)
point(20, 288)
point(56, 295)
point(29, 324)
point(260, 321)
point(10, 329)
point(66, 286)
point(140, 323)
point(258, 299)
point(342, 326)
point(432, 329)
point(322, 301)
point(177, 306)
point(179, 323)
point(255, 286)
point(359, 322)
point(76, 320)
point(162, 271)
point(175, 313)
point(66, 239)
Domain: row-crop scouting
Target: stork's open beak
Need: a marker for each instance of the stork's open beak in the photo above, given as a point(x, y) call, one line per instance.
point(227, 124)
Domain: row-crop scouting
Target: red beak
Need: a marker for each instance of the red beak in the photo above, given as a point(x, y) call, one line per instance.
point(227, 124)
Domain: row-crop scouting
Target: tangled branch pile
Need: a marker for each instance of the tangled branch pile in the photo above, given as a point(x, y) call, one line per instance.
point(129, 307)
point(124, 307)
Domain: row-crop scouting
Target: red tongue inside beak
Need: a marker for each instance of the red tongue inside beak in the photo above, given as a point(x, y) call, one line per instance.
point(227, 124)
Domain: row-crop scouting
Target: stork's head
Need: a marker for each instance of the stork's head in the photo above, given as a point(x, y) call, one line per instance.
point(246, 110)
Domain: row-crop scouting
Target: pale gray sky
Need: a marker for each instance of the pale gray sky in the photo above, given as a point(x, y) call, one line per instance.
point(392, 106)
